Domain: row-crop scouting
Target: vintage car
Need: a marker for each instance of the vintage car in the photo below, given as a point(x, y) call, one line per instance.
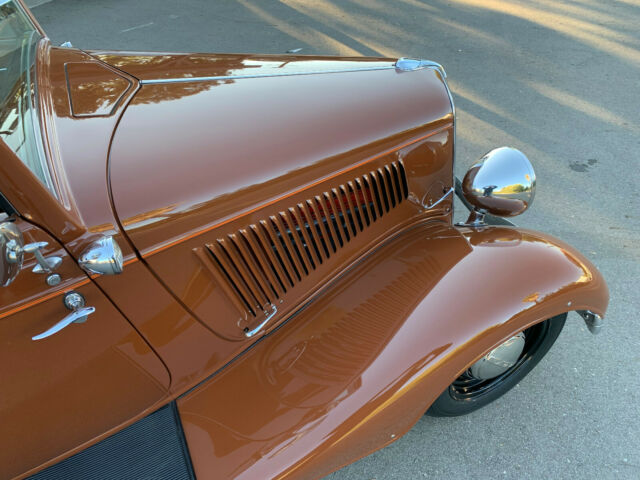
point(245, 266)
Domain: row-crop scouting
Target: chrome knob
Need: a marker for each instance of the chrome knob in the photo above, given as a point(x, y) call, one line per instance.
point(73, 301)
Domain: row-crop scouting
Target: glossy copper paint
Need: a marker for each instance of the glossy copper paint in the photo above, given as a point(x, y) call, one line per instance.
point(79, 149)
point(290, 158)
point(73, 383)
point(85, 77)
point(78, 145)
point(189, 350)
point(186, 177)
point(177, 166)
point(68, 389)
point(357, 368)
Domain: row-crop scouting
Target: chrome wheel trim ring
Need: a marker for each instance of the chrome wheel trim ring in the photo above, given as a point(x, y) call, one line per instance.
point(500, 359)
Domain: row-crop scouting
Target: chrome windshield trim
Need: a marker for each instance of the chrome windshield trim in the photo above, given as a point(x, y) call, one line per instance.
point(258, 75)
point(36, 125)
point(30, 149)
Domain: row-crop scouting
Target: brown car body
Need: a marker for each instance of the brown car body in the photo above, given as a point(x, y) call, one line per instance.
point(224, 178)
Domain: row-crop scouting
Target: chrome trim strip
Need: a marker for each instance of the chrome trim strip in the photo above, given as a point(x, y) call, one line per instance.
point(159, 81)
point(410, 64)
point(453, 149)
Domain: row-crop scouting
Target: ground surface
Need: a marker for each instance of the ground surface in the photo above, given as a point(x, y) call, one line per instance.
point(560, 81)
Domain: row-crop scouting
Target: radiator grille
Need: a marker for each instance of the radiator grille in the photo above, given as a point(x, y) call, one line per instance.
point(151, 448)
point(264, 260)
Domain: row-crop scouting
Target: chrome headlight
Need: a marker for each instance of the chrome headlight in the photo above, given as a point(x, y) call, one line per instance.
point(502, 183)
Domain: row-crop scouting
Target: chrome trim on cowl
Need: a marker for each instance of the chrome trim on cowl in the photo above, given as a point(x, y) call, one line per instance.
point(412, 64)
point(159, 81)
point(402, 64)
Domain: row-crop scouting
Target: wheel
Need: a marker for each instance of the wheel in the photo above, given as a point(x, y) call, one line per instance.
point(499, 371)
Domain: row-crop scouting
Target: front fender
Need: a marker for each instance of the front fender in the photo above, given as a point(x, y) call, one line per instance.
point(357, 367)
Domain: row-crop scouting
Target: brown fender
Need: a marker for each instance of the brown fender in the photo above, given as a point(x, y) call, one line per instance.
point(356, 368)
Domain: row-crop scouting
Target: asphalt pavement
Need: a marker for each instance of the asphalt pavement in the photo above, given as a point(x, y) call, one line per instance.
point(558, 80)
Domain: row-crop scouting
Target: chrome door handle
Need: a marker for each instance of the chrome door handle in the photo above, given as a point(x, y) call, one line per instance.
point(77, 316)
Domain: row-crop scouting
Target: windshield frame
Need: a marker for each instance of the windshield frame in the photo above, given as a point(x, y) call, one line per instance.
point(29, 115)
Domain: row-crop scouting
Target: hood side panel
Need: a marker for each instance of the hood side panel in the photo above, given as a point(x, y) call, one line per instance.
point(245, 196)
point(189, 155)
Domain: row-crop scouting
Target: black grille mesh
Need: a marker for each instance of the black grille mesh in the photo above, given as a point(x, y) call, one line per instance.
point(151, 449)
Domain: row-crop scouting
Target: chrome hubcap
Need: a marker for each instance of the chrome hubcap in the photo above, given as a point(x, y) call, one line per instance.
point(500, 359)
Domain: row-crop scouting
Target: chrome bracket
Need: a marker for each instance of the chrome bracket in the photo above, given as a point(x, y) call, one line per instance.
point(428, 205)
point(410, 64)
point(477, 218)
point(269, 315)
point(592, 320)
point(47, 265)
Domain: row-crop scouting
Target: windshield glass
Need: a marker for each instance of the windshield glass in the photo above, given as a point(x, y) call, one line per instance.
point(18, 115)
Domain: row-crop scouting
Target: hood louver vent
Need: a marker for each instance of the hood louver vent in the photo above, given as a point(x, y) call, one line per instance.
point(263, 261)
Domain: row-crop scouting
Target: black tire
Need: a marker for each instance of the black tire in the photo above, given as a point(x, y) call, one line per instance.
point(466, 394)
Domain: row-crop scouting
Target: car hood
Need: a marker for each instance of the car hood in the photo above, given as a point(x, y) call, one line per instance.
point(209, 137)
point(169, 67)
